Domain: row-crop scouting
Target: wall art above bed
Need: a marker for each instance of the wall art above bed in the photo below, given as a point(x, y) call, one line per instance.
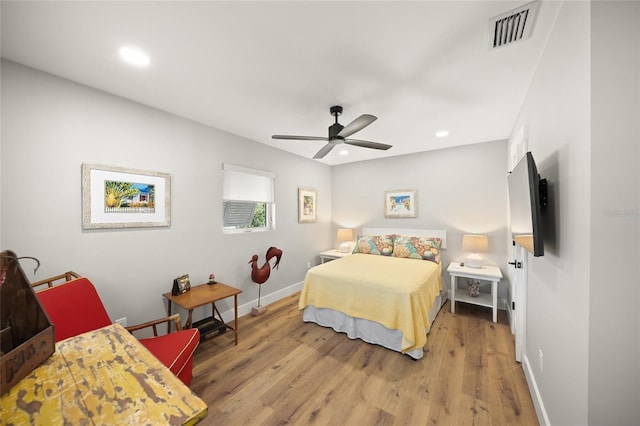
point(401, 203)
point(115, 197)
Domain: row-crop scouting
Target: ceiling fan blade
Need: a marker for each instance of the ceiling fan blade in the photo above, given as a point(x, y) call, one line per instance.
point(324, 150)
point(300, 138)
point(367, 144)
point(358, 124)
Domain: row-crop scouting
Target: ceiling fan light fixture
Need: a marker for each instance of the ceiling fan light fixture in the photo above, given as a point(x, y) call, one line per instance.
point(343, 152)
point(442, 134)
point(339, 134)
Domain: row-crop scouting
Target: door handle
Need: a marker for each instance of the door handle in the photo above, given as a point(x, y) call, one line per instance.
point(516, 264)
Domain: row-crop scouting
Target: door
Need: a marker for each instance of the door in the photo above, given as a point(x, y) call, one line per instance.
point(517, 272)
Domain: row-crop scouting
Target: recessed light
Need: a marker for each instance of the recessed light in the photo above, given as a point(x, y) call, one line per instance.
point(134, 56)
point(442, 134)
point(343, 152)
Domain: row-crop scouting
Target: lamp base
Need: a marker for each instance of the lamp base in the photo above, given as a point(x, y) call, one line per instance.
point(344, 248)
point(473, 261)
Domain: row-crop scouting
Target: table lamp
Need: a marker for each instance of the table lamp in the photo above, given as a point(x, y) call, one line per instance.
point(475, 244)
point(345, 237)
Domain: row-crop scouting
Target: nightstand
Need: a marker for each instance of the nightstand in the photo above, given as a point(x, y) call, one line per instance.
point(486, 273)
point(329, 255)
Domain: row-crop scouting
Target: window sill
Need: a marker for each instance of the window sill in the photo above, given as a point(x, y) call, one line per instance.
point(245, 231)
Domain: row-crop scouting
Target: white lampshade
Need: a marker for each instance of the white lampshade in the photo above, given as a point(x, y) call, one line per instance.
point(345, 237)
point(475, 244)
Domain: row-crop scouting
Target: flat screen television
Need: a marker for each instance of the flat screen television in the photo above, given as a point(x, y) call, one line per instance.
point(527, 197)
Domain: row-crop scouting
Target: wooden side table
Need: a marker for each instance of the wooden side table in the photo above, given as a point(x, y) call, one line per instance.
point(329, 255)
point(486, 273)
point(204, 294)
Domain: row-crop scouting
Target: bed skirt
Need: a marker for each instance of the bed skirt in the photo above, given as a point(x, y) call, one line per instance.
point(368, 331)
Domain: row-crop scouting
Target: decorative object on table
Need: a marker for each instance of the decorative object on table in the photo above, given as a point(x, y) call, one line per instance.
point(261, 275)
point(181, 285)
point(115, 197)
point(27, 337)
point(345, 238)
point(212, 279)
point(401, 203)
point(473, 287)
point(475, 244)
point(307, 205)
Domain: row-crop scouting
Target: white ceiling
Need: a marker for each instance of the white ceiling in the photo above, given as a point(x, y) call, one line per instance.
point(262, 68)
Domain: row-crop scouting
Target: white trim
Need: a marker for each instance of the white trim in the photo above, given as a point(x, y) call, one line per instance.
point(543, 418)
point(245, 308)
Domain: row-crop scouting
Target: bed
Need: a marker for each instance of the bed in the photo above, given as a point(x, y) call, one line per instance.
point(388, 292)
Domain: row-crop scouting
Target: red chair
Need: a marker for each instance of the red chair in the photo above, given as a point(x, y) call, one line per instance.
point(74, 307)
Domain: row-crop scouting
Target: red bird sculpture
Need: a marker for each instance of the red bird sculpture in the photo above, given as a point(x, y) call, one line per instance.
point(261, 275)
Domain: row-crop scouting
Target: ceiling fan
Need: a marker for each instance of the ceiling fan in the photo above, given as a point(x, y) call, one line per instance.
point(338, 134)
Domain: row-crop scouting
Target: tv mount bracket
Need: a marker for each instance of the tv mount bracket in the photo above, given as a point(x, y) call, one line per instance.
point(542, 191)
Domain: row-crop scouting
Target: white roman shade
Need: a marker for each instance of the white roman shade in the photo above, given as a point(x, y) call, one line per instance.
point(244, 184)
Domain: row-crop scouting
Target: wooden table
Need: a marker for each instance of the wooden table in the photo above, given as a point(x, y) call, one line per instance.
point(204, 294)
point(103, 377)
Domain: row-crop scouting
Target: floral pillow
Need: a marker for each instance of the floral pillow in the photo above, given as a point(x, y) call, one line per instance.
point(374, 244)
point(427, 248)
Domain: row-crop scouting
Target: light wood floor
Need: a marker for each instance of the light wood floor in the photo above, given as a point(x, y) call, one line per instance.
point(285, 371)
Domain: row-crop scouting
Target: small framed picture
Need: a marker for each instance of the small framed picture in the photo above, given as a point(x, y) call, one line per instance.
point(307, 205)
point(181, 285)
point(401, 203)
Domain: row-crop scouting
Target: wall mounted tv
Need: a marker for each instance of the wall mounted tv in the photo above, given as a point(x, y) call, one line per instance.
point(527, 197)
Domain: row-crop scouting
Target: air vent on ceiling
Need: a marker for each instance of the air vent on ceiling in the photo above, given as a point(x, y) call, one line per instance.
point(512, 26)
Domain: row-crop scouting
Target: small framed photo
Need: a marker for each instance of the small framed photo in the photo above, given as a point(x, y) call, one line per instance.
point(115, 197)
point(401, 203)
point(307, 205)
point(181, 285)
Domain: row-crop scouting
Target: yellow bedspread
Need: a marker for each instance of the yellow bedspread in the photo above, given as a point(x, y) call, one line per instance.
point(395, 292)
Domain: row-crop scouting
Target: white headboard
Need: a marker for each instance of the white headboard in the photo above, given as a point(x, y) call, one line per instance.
point(438, 233)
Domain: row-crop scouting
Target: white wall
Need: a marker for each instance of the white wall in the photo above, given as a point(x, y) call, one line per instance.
point(578, 100)
point(50, 126)
point(556, 112)
point(461, 189)
point(614, 336)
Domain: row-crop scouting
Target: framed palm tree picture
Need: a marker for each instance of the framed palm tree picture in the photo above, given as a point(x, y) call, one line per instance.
point(116, 197)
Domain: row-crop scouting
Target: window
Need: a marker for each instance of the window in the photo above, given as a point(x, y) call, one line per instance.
point(247, 199)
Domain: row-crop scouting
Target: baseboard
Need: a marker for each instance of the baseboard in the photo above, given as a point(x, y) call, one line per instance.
point(245, 308)
point(502, 305)
point(543, 419)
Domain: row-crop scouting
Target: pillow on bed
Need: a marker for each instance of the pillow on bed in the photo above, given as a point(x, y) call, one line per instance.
point(374, 244)
point(427, 248)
